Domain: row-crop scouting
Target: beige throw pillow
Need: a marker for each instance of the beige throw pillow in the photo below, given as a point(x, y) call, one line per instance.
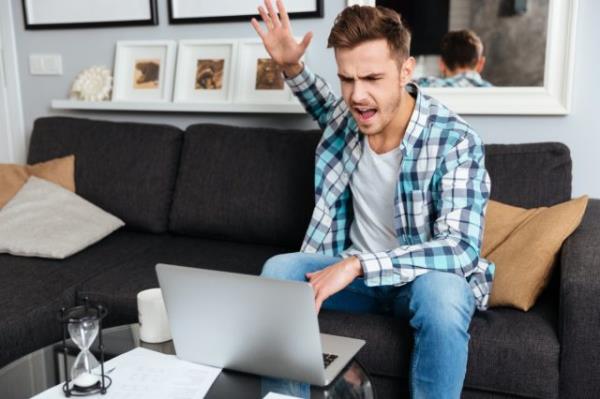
point(60, 171)
point(524, 243)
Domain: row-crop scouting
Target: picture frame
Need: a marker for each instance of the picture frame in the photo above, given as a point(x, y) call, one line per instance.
point(71, 14)
point(260, 81)
point(193, 11)
point(143, 70)
point(205, 71)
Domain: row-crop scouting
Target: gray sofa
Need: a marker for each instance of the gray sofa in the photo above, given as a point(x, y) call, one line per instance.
point(228, 198)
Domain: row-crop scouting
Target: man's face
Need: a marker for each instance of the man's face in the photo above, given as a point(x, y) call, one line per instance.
point(372, 83)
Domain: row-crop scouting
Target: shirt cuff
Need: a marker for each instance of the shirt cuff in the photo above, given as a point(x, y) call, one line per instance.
point(377, 269)
point(302, 81)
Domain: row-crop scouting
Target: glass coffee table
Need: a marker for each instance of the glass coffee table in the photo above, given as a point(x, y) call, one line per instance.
point(42, 369)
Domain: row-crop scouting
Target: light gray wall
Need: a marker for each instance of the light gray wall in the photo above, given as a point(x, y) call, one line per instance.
point(85, 47)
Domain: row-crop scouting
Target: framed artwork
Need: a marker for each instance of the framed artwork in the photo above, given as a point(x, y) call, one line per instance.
point(360, 3)
point(259, 79)
point(65, 14)
point(191, 11)
point(205, 71)
point(143, 70)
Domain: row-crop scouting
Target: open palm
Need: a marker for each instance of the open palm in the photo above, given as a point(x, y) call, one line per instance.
point(278, 38)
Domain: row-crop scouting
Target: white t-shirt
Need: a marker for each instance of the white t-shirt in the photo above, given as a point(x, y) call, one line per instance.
point(373, 186)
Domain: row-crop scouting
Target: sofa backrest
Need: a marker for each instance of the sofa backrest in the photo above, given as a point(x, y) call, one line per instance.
point(245, 184)
point(127, 169)
point(529, 175)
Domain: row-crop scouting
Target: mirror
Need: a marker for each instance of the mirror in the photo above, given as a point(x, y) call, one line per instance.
point(527, 45)
point(473, 43)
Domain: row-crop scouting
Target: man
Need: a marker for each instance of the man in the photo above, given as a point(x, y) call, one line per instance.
point(400, 188)
point(461, 62)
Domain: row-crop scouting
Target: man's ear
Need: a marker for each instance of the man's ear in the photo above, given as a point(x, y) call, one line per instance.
point(407, 69)
point(480, 64)
point(443, 67)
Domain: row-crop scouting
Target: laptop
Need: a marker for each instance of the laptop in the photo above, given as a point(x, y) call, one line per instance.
point(251, 324)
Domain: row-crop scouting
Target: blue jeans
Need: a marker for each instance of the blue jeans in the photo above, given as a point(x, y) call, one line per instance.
point(438, 305)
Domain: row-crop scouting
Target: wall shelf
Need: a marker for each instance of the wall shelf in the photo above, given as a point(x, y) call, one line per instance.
point(177, 107)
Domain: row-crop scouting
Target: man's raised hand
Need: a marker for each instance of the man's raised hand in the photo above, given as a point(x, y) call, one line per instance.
point(278, 38)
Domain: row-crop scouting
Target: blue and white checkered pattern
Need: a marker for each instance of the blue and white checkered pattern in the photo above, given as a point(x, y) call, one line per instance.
point(465, 79)
point(441, 196)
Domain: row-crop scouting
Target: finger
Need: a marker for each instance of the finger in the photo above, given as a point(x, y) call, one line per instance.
point(257, 28)
point(285, 19)
point(272, 13)
point(318, 306)
point(319, 301)
point(265, 17)
point(306, 40)
point(315, 278)
point(315, 273)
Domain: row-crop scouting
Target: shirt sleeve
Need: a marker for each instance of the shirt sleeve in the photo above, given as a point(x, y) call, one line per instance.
point(457, 232)
point(315, 95)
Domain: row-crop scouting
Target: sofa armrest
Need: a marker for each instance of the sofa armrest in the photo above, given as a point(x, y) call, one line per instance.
point(579, 309)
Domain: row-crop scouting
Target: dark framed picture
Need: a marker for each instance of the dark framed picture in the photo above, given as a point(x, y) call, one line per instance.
point(68, 14)
point(193, 11)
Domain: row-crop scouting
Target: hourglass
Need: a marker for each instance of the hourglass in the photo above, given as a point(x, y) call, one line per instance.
point(84, 324)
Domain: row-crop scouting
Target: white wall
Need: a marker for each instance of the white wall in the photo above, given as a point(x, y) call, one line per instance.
point(85, 47)
point(5, 142)
point(12, 131)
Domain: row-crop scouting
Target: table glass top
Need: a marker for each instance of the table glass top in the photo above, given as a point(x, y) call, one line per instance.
point(43, 369)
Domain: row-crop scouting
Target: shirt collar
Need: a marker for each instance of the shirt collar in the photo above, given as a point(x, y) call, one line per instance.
point(418, 118)
point(468, 75)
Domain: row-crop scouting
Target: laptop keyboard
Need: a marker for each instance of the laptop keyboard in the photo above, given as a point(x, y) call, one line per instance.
point(328, 358)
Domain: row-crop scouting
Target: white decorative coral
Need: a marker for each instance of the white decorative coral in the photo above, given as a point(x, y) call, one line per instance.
point(92, 84)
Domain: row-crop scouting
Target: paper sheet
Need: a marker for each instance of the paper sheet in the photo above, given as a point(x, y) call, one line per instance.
point(143, 373)
point(273, 395)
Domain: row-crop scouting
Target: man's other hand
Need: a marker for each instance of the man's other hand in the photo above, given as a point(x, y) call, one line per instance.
point(279, 40)
point(334, 278)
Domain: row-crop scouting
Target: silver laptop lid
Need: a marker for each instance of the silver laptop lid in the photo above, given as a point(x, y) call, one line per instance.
point(242, 322)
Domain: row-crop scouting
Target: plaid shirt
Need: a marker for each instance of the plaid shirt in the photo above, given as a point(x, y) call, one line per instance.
point(465, 79)
point(440, 200)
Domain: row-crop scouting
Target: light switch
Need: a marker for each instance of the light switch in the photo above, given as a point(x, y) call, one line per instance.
point(36, 66)
point(45, 64)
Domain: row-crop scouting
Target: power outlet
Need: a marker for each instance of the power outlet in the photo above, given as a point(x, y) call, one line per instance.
point(45, 64)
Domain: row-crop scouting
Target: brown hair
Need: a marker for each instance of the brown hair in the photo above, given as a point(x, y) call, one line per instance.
point(461, 48)
point(358, 24)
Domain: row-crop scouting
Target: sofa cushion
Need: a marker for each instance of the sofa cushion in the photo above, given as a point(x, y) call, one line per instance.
point(127, 169)
point(524, 244)
point(529, 175)
point(139, 273)
point(34, 289)
point(510, 351)
point(245, 184)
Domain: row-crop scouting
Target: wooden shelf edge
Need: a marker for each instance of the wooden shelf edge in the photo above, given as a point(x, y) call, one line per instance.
point(177, 107)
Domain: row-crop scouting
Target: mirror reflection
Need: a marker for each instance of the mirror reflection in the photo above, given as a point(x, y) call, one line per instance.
point(476, 43)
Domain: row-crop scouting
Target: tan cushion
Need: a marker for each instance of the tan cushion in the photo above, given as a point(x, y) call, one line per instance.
point(524, 243)
point(60, 171)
